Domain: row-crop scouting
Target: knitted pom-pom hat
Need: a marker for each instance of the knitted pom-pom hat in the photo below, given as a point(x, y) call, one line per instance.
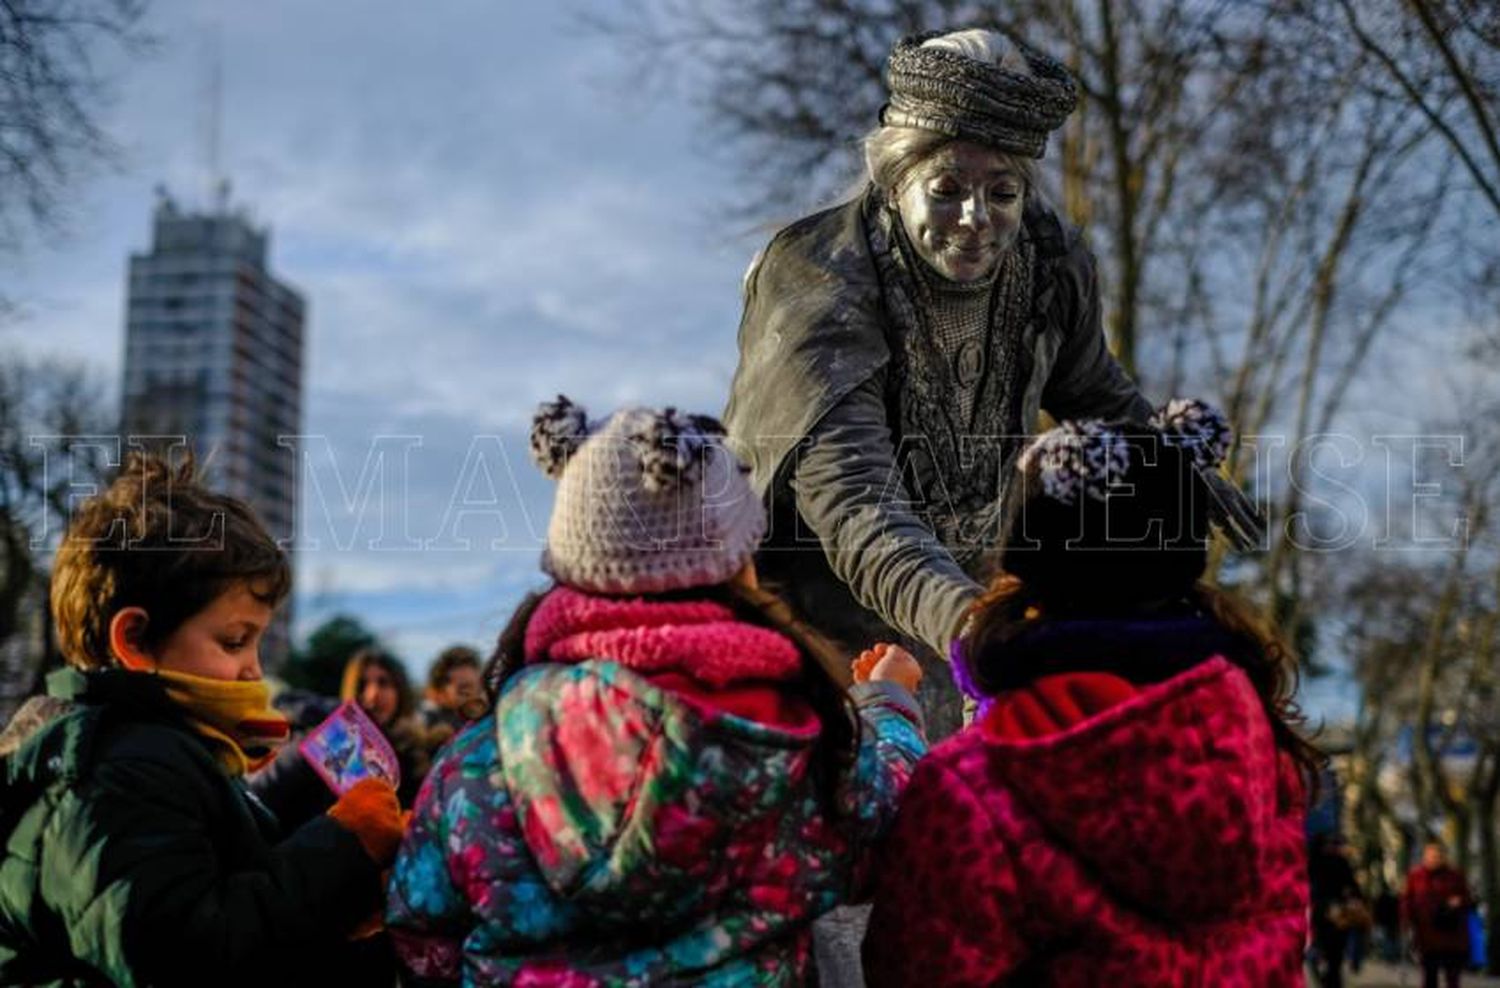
point(647, 501)
point(1116, 513)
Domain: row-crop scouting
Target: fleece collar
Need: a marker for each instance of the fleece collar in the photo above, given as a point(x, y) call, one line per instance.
point(1140, 650)
point(701, 639)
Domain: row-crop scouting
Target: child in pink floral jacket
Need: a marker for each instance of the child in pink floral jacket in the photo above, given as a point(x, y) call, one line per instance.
point(1127, 810)
point(672, 787)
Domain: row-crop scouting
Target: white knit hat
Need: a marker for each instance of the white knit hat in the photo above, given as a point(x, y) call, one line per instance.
point(647, 501)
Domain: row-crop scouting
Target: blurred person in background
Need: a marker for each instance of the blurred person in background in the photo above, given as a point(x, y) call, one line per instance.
point(1338, 906)
point(1436, 906)
point(1387, 916)
point(377, 681)
point(454, 696)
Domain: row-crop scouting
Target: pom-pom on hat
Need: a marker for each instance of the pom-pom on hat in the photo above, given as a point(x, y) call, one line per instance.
point(1116, 513)
point(647, 501)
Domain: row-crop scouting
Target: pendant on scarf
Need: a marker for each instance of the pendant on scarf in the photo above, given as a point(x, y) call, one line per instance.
point(968, 366)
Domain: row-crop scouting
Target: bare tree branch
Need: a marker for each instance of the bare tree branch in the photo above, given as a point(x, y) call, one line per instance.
point(51, 97)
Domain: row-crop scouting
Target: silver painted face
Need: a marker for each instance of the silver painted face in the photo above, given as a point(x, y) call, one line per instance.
point(961, 209)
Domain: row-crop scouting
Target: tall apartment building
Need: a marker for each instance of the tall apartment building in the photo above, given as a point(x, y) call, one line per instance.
point(213, 352)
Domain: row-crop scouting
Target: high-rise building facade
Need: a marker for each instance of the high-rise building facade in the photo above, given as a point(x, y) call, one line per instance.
point(213, 353)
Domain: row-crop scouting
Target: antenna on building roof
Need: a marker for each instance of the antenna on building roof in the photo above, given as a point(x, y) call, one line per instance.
point(165, 204)
point(215, 185)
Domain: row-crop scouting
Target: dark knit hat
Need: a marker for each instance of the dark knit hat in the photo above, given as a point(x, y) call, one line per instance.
point(943, 90)
point(1116, 513)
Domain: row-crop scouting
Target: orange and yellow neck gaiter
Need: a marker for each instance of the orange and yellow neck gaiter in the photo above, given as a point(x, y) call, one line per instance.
point(235, 715)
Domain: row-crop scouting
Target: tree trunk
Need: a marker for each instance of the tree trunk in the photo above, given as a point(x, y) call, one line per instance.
point(1433, 794)
point(1127, 186)
point(1489, 866)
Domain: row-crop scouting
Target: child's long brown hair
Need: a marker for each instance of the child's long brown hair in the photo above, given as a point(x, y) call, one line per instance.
point(1007, 609)
point(822, 684)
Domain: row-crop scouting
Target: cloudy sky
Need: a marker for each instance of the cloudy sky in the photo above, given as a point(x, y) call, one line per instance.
point(484, 207)
point(482, 210)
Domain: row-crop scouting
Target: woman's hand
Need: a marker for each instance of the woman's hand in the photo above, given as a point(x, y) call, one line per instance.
point(888, 663)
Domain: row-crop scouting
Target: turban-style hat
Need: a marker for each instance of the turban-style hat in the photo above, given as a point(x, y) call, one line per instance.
point(940, 89)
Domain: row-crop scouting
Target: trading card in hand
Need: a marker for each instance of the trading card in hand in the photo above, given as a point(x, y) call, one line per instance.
point(348, 747)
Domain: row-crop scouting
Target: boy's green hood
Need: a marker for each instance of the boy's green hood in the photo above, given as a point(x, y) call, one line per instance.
point(50, 739)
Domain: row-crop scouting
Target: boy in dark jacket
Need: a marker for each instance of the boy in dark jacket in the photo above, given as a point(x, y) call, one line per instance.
point(132, 852)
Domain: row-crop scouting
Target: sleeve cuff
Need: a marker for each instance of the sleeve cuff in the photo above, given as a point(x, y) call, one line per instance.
point(953, 616)
point(887, 694)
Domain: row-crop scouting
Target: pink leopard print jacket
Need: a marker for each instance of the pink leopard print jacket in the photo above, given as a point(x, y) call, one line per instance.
point(1158, 843)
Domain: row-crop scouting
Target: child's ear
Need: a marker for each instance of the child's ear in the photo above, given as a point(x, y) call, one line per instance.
point(126, 629)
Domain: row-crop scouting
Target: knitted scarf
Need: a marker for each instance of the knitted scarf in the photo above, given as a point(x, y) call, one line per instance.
point(957, 465)
point(235, 716)
point(701, 639)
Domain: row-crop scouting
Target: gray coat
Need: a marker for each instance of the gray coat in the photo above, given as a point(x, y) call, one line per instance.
point(809, 410)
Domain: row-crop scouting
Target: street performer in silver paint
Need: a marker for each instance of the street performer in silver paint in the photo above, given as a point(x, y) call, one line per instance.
point(895, 349)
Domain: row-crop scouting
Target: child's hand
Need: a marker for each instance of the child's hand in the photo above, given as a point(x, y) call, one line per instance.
point(370, 811)
point(888, 663)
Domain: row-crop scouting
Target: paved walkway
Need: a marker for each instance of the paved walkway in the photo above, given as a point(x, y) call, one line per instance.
point(1384, 976)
